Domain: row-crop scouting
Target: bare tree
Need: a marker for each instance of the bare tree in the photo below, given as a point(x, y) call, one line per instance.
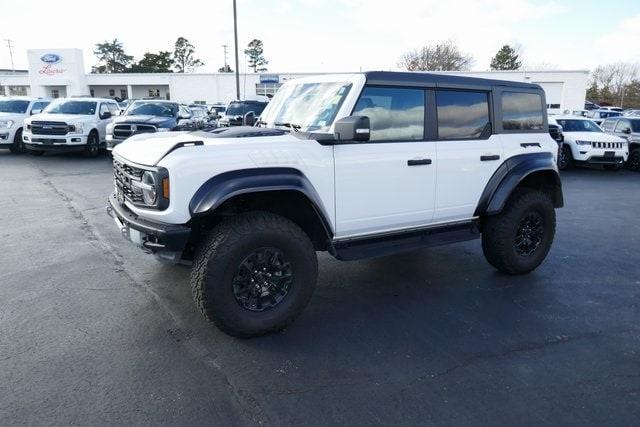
point(614, 79)
point(443, 56)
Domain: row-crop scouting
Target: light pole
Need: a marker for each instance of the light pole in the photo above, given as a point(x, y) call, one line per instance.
point(235, 35)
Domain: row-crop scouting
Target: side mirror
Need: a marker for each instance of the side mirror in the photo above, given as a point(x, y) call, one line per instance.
point(249, 119)
point(627, 131)
point(105, 115)
point(36, 111)
point(352, 128)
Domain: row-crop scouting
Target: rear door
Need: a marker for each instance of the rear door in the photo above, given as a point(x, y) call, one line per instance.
point(468, 151)
point(623, 129)
point(387, 183)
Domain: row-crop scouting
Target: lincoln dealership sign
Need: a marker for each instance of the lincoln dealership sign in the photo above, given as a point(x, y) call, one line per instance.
point(51, 64)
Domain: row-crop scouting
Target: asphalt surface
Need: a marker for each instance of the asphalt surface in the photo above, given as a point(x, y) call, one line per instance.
point(94, 331)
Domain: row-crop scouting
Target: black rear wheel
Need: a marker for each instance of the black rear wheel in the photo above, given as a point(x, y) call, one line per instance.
point(517, 240)
point(18, 145)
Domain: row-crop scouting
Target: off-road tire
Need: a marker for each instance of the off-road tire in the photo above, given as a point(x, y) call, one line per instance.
point(93, 145)
point(633, 163)
point(499, 232)
point(18, 146)
point(566, 161)
point(217, 261)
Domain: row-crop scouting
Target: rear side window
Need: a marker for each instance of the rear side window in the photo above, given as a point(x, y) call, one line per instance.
point(396, 114)
point(462, 114)
point(521, 111)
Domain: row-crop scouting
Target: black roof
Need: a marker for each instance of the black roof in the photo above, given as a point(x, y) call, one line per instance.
point(429, 79)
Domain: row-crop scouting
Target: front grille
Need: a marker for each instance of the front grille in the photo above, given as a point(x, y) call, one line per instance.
point(123, 131)
point(124, 175)
point(49, 128)
point(607, 145)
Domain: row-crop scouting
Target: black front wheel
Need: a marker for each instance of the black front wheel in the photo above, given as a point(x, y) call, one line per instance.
point(518, 239)
point(93, 145)
point(633, 163)
point(17, 146)
point(565, 158)
point(254, 274)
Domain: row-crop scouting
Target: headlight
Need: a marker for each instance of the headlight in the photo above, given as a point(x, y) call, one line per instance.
point(110, 128)
point(149, 188)
point(76, 128)
point(6, 123)
point(583, 142)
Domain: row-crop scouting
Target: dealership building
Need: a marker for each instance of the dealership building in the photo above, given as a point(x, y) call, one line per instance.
point(54, 73)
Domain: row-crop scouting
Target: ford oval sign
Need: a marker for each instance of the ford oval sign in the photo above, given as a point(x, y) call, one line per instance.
point(51, 58)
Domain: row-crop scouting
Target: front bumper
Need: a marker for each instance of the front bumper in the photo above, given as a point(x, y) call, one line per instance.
point(151, 236)
point(112, 142)
point(6, 137)
point(601, 156)
point(54, 143)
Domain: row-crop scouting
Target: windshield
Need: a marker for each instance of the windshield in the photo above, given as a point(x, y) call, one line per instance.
point(578, 126)
point(311, 106)
point(162, 109)
point(14, 106)
point(87, 108)
point(241, 108)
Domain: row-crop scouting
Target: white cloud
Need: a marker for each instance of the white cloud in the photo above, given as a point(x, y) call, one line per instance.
point(622, 43)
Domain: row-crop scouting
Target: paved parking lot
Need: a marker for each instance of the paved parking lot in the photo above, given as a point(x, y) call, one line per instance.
point(94, 331)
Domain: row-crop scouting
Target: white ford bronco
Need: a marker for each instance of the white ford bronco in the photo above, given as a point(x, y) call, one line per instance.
point(361, 165)
point(70, 124)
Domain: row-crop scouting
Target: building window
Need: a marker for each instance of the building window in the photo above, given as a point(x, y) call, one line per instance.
point(521, 111)
point(462, 114)
point(553, 106)
point(123, 94)
point(55, 93)
point(112, 92)
point(267, 89)
point(395, 114)
point(17, 90)
point(92, 93)
point(154, 93)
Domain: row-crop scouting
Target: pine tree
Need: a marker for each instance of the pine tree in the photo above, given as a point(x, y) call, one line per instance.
point(507, 58)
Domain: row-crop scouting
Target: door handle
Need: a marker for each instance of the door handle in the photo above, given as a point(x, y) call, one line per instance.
point(530, 144)
point(490, 157)
point(416, 162)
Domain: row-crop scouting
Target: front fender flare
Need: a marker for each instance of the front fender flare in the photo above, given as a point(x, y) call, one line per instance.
point(223, 187)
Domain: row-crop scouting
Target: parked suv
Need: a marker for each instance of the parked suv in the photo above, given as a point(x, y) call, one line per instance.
point(236, 111)
point(361, 165)
point(13, 111)
point(148, 116)
point(70, 124)
point(599, 115)
point(584, 143)
point(626, 128)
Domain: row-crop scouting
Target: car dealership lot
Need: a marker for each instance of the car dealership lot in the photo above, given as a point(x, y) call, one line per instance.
point(94, 331)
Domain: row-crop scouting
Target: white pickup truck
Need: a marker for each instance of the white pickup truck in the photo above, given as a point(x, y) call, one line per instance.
point(70, 124)
point(13, 111)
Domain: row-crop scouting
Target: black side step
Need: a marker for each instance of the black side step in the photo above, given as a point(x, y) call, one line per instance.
point(404, 241)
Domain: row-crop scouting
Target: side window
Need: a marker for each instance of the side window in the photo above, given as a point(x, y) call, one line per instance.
point(622, 126)
point(39, 106)
point(113, 108)
point(608, 125)
point(103, 108)
point(462, 114)
point(521, 111)
point(396, 114)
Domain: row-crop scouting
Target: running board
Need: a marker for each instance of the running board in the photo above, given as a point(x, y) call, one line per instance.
point(393, 243)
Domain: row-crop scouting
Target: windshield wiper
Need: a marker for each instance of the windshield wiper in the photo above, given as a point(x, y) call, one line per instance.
point(291, 126)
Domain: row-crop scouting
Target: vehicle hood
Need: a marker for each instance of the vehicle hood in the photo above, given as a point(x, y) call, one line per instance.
point(67, 118)
point(153, 120)
point(12, 116)
point(592, 136)
point(148, 149)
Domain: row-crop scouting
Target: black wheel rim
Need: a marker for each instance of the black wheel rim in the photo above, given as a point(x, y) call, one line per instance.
point(263, 279)
point(562, 158)
point(529, 234)
point(93, 147)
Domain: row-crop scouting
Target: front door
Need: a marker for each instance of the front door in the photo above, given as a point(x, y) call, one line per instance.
point(387, 183)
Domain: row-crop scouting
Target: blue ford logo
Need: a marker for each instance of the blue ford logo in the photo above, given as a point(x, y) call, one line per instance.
point(51, 58)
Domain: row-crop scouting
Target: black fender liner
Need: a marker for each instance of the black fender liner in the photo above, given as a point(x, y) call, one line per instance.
point(511, 173)
point(215, 191)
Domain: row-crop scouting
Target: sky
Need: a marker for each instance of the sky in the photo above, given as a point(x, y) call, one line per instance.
point(333, 35)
